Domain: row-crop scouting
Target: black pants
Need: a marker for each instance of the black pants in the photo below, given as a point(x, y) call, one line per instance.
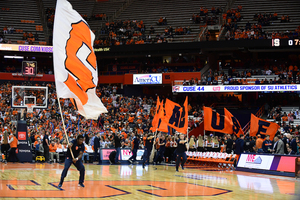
point(46, 152)
point(12, 155)
point(4, 149)
point(178, 159)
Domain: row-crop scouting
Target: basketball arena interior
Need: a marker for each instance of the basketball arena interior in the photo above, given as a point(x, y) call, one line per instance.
point(139, 99)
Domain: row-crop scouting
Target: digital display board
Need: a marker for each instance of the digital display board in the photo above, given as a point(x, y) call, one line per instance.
point(29, 68)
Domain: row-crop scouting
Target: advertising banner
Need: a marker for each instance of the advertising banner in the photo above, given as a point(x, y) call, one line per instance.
point(256, 161)
point(140, 79)
point(26, 48)
point(105, 154)
point(236, 88)
point(24, 150)
point(126, 154)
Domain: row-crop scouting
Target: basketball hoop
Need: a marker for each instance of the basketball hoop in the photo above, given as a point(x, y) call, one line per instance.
point(30, 108)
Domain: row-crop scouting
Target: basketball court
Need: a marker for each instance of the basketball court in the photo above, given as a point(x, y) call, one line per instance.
point(39, 181)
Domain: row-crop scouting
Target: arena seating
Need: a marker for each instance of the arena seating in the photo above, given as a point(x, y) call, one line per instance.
point(287, 110)
point(25, 20)
point(281, 7)
point(177, 12)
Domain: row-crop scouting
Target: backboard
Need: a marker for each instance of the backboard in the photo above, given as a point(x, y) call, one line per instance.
point(29, 97)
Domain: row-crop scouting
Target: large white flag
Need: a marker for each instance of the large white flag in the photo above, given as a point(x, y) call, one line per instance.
point(75, 66)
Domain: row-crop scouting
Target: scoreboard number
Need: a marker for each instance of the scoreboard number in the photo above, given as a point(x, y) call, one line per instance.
point(29, 68)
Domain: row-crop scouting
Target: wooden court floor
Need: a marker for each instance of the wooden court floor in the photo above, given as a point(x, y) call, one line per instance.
point(39, 181)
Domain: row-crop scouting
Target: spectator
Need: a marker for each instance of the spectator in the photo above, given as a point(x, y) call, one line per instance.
point(259, 143)
point(52, 152)
point(278, 147)
point(267, 145)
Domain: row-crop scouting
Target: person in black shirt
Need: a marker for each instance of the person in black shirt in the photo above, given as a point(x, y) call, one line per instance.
point(135, 147)
point(96, 148)
point(248, 145)
point(161, 150)
point(180, 152)
point(148, 148)
point(77, 148)
point(46, 144)
point(228, 145)
point(117, 146)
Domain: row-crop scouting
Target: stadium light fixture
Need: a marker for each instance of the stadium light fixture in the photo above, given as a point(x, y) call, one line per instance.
point(14, 57)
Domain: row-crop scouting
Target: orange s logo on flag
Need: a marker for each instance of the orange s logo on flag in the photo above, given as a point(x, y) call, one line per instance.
point(263, 127)
point(236, 127)
point(79, 36)
point(213, 121)
point(177, 116)
point(75, 64)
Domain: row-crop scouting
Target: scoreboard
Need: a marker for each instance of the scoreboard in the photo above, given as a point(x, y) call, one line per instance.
point(285, 42)
point(29, 68)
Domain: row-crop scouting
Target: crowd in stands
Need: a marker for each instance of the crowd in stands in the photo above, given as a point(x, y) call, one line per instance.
point(130, 32)
point(101, 16)
point(128, 116)
point(204, 17)
point(50, 12)
point(265, 19)
point(254, 30)
point(284, 75)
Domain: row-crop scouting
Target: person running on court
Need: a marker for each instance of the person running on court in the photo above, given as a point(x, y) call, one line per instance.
point(135, 147)
point(148, 149)
point(180, 151)
point(162, 148)
point(77, 148)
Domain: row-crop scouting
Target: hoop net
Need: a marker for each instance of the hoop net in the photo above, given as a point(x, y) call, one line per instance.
point(30, 108)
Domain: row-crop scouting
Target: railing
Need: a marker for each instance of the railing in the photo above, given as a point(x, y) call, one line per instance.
point(201, 33)
point(259, 113)
point(118, 12)
point(42, 13)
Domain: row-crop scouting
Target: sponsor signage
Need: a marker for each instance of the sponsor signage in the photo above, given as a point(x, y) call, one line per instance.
point(22, 135)
point(280, 163)
point(255, 161)
point(236, 88)
point(24, 150)
point(105, 154)
point(26, 48)
point(140, 79)
point(126, 154)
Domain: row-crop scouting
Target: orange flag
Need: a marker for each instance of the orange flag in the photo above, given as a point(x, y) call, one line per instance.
point(263, 127)
point(162, 125)
point(156, 116)
point(177, 116)
point(213, 121)
point(236, 127)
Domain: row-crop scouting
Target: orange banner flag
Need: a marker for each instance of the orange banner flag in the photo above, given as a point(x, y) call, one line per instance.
point(156, 116)
point(213, 121)
point(162, 125)
point(263, 127)
point(177, 116)
point(236, 127)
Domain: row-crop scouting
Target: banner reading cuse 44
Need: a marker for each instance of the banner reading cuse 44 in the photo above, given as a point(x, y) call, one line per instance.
point(75, 65)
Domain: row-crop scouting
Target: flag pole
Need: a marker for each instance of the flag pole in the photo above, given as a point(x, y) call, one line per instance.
point(153, 146)
point(62, 119)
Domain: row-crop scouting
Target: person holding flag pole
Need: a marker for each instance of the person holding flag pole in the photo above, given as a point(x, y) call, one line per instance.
point(76, 76)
